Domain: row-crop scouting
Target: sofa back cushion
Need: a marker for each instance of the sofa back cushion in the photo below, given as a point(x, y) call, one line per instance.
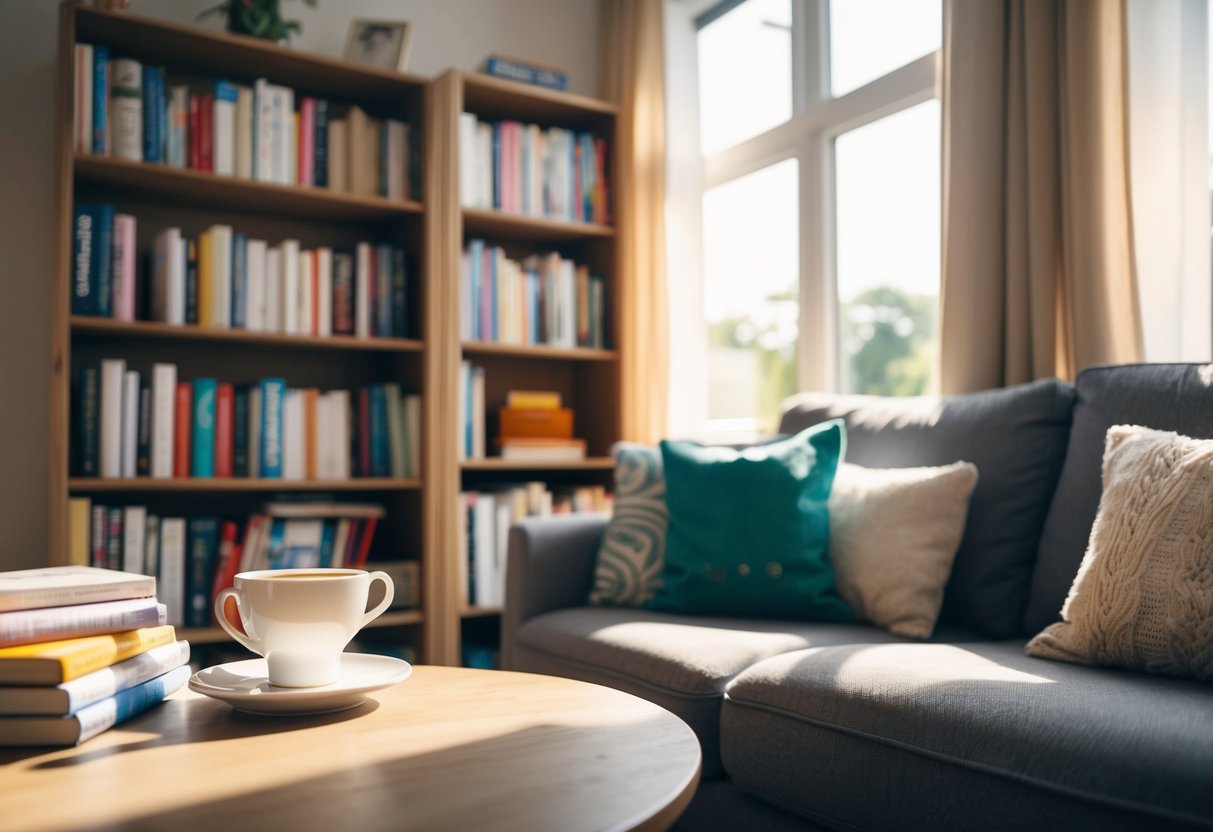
point(1170, 397)
point(1017, 439)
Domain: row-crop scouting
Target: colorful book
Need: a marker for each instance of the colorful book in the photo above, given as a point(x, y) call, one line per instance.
point(224, 429)
point(164, 394)
point(203, 548)
point(273, 392)
point(92, 720)
point(76, 620)
point(55, 662)
point(126, 109)
point(68, 698)
point(183, 409)
point(203, 434)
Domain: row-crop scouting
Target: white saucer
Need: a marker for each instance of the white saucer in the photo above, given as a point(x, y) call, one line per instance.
point(245, 685)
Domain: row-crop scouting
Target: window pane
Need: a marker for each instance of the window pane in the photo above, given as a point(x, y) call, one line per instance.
point(887, 209)
point(750, 298)
point(745, 73)
point(871, 38)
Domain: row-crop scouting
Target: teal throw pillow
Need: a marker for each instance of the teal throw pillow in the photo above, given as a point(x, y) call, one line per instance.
point(749, 530)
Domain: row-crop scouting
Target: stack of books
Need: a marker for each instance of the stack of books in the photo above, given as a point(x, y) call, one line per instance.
point(81, 650)
point(533, 427)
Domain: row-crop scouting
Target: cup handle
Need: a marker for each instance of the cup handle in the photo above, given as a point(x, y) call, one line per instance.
point(389, 591)
point(220, 599)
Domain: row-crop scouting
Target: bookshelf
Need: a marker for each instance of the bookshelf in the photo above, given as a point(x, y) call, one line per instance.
point(586, 378)
point(160, 196)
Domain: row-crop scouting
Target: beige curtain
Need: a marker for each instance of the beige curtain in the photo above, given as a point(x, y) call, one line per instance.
point(635, 80)
point(1038, 266)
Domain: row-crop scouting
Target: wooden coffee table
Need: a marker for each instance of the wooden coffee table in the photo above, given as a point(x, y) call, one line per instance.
point(449, 748)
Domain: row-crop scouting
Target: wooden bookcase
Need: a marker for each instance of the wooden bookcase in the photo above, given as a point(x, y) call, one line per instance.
point(161, 196)
point(423, 518)
point(587, 379)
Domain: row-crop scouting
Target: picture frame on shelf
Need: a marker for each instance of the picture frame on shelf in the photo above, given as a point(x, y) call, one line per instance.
point(383, 44)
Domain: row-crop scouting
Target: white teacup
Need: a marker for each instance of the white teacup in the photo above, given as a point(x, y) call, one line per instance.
point(301, 619)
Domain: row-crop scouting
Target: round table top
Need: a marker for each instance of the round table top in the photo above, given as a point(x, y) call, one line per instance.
point(448, 748)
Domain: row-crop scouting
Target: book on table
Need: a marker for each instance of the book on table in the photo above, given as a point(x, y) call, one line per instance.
point(55, 623)
point(529, 449)
point(56, 586)
point(55, 662)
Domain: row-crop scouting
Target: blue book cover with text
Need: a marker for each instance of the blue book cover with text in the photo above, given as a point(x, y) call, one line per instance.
point(203, 460)
point(273, 392)
point(101, 87)
point(84, 276)
point(102, 261)
point(202, 548)
point(129, 703)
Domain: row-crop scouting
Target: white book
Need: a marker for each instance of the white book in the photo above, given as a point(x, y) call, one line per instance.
point(254, 431)
point(292, 435)
point(301, 541)
point(130, 422)
point(164, 398)
point(290, 170)
point(288, 303)
point(223, 128)
point(263, 132)
point(484, 548)
point(244, 132)
point(170, 582)
point(307, 292)
point(126, 109)
point(134, 527)
point(341, 539)
point(467, 159)
point(324, 290)
point(255, 275)
point(113, 370)
point(83, 123)
point(273, 289)
point(362, 289)
point(221, 275)
point(168, 277)
point(412, 435)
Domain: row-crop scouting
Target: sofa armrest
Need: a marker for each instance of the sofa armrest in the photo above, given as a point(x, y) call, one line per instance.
point(550, 565)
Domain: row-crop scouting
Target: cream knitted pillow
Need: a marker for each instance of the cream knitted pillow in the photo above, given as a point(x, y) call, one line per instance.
point(1143, 597)
point(893, 535)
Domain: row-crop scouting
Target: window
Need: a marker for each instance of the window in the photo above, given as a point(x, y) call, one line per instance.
point(805, 232)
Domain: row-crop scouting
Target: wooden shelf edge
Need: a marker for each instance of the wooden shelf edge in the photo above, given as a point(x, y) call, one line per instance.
point(193, 332)
point(490, 221)
point(563, 98)
point(540, 351)
point(215, 635)
point(97, 485)
point(189, 182)
point(594, 463)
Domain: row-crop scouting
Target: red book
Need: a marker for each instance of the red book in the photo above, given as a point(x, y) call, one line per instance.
point(305, 156)
point(206, 132)
point(351, 543)
point(364, 432)
point(229, 559)
point(225, 406)
point(182, 412)
point(601, 215)
point(195, 132)
point(364, 545)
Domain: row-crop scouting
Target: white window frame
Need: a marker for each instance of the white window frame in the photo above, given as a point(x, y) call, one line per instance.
point(808, 136)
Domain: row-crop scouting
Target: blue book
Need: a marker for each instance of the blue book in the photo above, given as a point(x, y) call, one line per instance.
point(328, 534)
point(399, 294)
point(240, 433)
point(101, 67)
point(151, 119)
point(276, 543)
point(102, 258)
point(84, 276)
point(381, 457)
point(203, 444)
point(273, 392)
point(239, 280)
point(527, 73)
point(585, 211)
point(383, 290)
point(202, 548)
point(476, 251)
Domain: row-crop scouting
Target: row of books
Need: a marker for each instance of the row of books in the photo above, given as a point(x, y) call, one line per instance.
point(526, 169)
point(81, 650)
point(194, 558)
point(487, 517)
point(132, 424)
point(224, 278)
point(544, 299)
point(265, 132)
point(531, 427)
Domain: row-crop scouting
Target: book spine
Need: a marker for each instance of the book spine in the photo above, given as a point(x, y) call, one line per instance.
point(380, 453)
point(183, 410)
point(84, 278)
point(324, 291)
point(203, 546)
point(206, 132)
point(130, 423)
point(163, 396)
point(239, 271)
point(240, 420)
point(126, 109)
point(227, 562)
point(194, 119)
point(102, 264)
point(123, 267)
point(223, 139)
point(394, 418)
point(273, 391)
point(204, 428)
point(102, 651)
point(224, 429)
point(82, 99)
point(151, 124)
point(363, 432)
point(55, 623)
point(412, 435)
point(97, 537)
point(191, 282)
point(113, 539)
point(170, 582)
point(383, 291)
point(151, 547)
point(129, 703)
point(399, 294)
point(306, 157)
point(112, 374)
point(88, 421)
point(362, 290)
point(178, 121)
point(244, 132)
point(134, 527)
point(109, 681)
point(343, 293)
point(320, 141)
point(101, 101)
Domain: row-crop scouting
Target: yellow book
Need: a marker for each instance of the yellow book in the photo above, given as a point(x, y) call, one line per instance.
point(533, 400)
point(79, 520)
point(205, 307)
point(56, 662)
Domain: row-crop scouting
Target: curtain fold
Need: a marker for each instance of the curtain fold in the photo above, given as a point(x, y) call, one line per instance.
point(1038, 267)
point(634, 78)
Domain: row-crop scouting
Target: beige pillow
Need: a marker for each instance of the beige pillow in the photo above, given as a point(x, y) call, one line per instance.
point(1143, 597)
point(893, 535)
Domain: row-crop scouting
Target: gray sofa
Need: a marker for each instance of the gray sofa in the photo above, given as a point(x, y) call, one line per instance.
point(849, 727)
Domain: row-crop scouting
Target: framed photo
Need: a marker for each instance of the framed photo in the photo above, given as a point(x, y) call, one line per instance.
point(379, 43)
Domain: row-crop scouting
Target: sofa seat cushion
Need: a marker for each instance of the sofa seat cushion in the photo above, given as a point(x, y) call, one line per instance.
point(682, 663)
point(912, 735)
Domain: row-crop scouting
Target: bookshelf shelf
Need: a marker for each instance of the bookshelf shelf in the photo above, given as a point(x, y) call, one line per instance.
point(143, 485)
point(502, 98)
point(479, 222)
point(598, 463)
point(215, 635)
point(538, 351)
point(110, 328)
point(212, 190)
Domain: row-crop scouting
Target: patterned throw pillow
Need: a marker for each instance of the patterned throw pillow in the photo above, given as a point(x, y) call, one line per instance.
point(632, 553)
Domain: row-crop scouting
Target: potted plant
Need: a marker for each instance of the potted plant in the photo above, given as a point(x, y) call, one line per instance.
point(258, 18)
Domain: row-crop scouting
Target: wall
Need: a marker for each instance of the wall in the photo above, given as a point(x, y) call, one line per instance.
point(452, 33)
